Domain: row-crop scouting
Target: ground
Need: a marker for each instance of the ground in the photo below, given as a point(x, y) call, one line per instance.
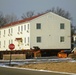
point(53, 66)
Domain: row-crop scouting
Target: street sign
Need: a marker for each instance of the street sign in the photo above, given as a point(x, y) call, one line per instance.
point(11, 46)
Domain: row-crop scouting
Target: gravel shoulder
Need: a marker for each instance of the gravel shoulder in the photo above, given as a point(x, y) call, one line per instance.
point(53, 66)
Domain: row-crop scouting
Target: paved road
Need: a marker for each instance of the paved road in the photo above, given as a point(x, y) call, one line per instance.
point(14, 71)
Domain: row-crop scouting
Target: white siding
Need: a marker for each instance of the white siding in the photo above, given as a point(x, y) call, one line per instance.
point(11, 37)
point(50, 32)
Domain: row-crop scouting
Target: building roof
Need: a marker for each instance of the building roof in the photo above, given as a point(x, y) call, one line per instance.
point(21, 21)
point(24, 20)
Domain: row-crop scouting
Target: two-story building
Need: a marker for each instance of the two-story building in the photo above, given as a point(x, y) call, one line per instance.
point(47, 31)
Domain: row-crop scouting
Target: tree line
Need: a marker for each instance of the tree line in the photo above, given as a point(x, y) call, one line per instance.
point(6, 19)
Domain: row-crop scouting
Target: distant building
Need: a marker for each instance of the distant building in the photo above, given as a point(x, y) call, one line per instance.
point(74, 37)
point(74, 41)
point(46, 31)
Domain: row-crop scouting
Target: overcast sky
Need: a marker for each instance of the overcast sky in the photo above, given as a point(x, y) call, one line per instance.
point(19, 7)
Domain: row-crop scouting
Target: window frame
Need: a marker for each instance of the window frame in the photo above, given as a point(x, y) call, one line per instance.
point(9, 30)
point(21, 28)
point(18, 28)
point(38, 25)
point(62, 38)
point(28, 39)
point(4, 32)
point(28, 26)
point(38, 39)
point(4, 43)
point(24, 27)
point(62, 26)
point(25, 40)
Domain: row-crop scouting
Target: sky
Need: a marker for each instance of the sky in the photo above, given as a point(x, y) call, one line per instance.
point(18, 7)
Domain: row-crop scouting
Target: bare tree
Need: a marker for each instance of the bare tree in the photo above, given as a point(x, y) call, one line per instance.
point(2, 19)
point(7, 19)
point(60, 12)
point(27, 14)
point(11, 18)
point(66, 15)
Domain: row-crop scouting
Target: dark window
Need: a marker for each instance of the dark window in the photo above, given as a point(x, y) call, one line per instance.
point(28, 39)
point(4, 32)
point(24, 40)
point(62, 39)
point(24, 27)
point(21, 28)
point(9, 31)
point(28, 26)
point(38, 39)
point(18, 28)
point(62, 26)
point(38, 26)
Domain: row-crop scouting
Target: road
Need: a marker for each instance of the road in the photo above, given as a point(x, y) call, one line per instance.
point(15, 71)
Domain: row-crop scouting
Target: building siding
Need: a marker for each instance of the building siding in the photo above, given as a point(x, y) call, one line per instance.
point(50, 33)
point(16, 34)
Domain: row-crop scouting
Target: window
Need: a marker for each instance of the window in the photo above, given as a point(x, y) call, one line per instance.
point(18, 28)
point(24, 27)
point(4, 44)
point(21, 28)
point(38, 26)
point(24, 40)
point(62, 26)
point(28, 26)
point(4, 32)
point(38, 39)
point(28, 39)
point(62, 39)
point(9, 41)
point(9, 31)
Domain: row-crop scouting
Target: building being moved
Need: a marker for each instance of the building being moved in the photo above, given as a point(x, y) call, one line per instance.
point(47, 31)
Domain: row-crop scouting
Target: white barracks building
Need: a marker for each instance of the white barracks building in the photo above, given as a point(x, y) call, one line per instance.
point(46, 31)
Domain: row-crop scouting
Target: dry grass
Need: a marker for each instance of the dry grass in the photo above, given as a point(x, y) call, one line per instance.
point(54, 66)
